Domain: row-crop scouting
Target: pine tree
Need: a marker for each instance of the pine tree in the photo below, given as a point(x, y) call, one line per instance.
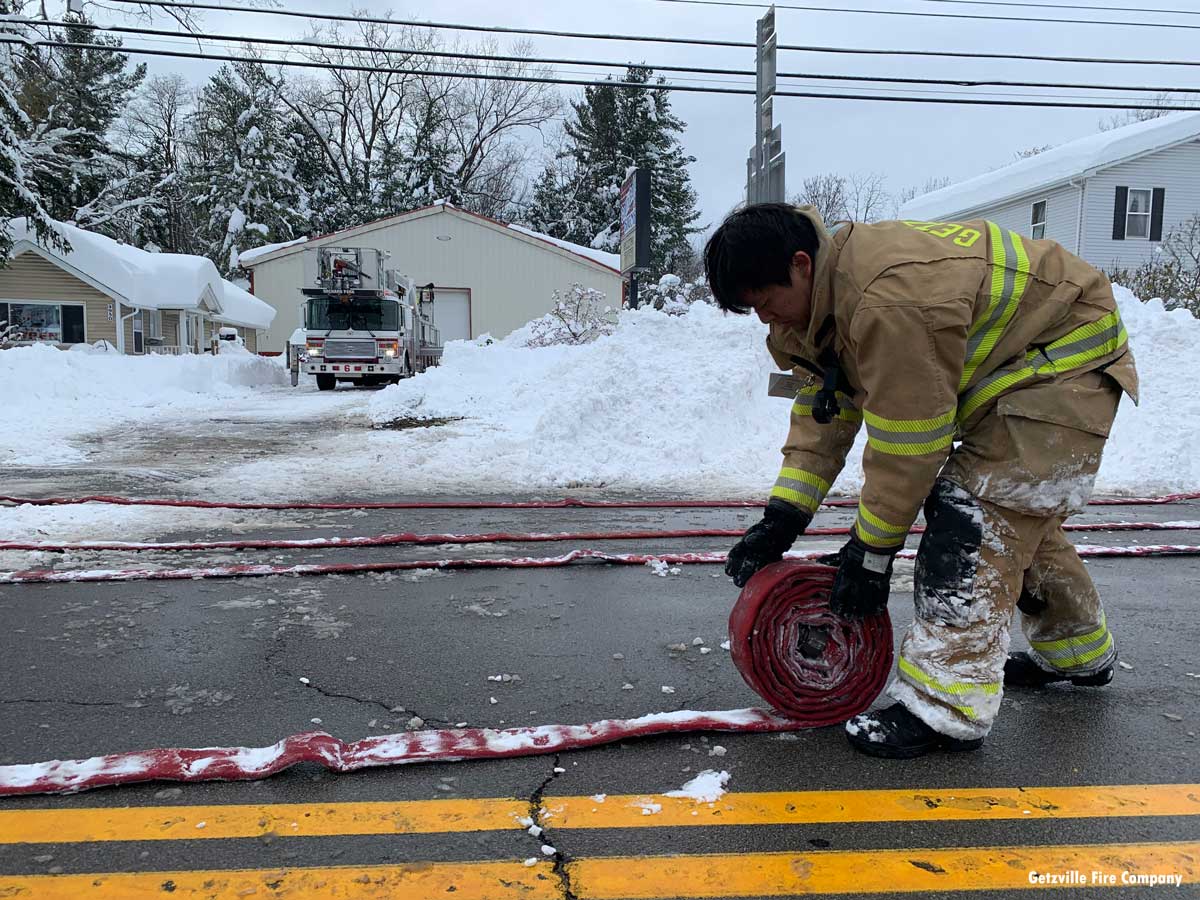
point(30, 152)
point(614, 129)
point(81, 92)
point(246, 176)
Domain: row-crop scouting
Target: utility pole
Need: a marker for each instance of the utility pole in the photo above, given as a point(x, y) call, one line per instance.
point(765, 166)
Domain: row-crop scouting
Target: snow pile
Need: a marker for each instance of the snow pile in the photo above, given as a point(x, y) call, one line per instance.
point(51, 396)
point(678, 405)
point(707, 787)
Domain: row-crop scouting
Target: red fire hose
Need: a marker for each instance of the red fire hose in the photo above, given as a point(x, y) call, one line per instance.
point(566, 503)
point(814, 667)
point(806, 662)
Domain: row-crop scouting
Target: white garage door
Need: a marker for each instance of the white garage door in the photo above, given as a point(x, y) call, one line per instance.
point(452, 313)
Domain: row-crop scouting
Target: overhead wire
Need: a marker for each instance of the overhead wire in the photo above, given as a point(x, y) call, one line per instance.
point(934, 15)
point(703, 42)
point(657, 67)
point(1090, 7)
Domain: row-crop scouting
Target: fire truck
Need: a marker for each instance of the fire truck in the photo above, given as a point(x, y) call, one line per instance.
point(363, 323)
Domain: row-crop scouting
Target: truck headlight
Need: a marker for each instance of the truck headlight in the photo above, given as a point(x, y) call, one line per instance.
point(315, 351)
point(389, 353)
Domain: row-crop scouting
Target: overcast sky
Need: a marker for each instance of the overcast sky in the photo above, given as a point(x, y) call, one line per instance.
point(905, 142)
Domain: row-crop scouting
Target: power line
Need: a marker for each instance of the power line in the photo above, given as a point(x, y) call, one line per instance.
point(702, 42)
point(526, 79)
point(1088, 7)
point(695, 70)
point(934, 15)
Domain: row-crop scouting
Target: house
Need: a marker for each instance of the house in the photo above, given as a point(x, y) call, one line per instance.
point(1110, 197)
point(488, 276)
point(102, 290)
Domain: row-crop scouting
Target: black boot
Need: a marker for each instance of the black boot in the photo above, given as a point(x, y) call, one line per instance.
point(1021, 671)
point(895, 733)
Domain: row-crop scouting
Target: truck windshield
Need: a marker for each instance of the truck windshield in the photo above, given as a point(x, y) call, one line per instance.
point(357, 314)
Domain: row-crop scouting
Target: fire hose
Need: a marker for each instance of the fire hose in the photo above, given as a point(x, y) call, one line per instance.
point(514, 537)
point(566, 503)
point(812, 666)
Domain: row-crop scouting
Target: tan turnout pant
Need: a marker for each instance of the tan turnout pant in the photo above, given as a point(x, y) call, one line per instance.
point(994, 541)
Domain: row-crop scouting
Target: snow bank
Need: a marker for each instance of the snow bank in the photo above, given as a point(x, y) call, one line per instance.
point(50, 395)
point(678, 404)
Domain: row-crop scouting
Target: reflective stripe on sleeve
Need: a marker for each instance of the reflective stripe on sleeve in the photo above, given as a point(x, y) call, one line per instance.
point(910, 437)
point(800, 488)
point(1010, 275)
point(875, 532)
point(803, 406)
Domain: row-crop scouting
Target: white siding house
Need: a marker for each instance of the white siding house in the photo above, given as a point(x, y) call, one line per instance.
point(489, 277)
point(1111, 197)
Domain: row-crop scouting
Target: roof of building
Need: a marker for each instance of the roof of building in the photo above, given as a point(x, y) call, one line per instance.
point(145, 280)
point(603, 258)
point(1056, 166)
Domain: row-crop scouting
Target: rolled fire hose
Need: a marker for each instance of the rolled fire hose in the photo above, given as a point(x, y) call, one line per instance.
point(813, 667)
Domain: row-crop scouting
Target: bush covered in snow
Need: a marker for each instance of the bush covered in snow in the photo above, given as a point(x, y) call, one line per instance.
point(578, 318)
point(1172, 274)
point(673, 295)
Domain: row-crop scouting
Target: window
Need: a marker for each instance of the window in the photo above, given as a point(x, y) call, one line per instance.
point(51, 323)
point(1137, 217)
point(1038, 221)
point(139, 340)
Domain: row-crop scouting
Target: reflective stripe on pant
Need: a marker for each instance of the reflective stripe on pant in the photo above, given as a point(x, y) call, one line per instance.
point(951, 668)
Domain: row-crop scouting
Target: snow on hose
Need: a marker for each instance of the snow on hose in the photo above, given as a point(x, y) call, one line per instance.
point(806, 662)
point(813, 667)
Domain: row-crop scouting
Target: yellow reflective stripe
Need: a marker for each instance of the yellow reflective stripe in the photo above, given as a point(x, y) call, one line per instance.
point(990, 388)
point(803, 406)
point(1068, 643)
point(910, 437)
point(1010, 276)
point(801, 488)
point(875, 532)
point(955, 690)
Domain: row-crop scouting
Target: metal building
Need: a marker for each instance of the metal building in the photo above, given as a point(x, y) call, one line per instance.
point(489, 277)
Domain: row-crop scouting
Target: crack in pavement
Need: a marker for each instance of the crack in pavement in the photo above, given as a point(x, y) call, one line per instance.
point(51, 700)
point(392, 709)
point(536, 811)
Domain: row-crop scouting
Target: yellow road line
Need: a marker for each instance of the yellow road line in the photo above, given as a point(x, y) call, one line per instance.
point(174, 823)
point(955, 804)
point(415, 881)
point(157, 823)
point(873, 872)
point(651, 877)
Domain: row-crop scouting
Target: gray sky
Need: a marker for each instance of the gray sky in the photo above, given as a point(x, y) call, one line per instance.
point(906, 143)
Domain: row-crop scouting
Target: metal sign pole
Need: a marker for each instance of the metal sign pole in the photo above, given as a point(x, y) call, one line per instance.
point(765, 165)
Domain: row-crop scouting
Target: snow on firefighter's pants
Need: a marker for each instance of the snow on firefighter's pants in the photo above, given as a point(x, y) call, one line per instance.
point(994, 540)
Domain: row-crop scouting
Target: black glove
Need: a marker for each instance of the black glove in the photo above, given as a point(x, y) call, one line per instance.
point(766, 541)
point(863, 580)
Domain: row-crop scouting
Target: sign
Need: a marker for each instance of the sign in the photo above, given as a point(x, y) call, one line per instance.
point(635, 221)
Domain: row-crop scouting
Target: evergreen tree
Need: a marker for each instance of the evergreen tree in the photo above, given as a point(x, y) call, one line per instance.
point(615, 129)
point(81, 92)
point(246, 175)
point(30, 152)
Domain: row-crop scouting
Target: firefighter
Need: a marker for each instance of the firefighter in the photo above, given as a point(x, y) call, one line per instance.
point(987, 369)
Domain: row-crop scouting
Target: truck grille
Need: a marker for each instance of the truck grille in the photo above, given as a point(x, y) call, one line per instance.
point(349, 349)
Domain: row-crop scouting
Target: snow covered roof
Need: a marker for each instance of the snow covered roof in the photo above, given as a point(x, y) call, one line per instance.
point(246, 257)
point(146, 280)
point(274, 251)
point(240, 307)
point(1055, 166)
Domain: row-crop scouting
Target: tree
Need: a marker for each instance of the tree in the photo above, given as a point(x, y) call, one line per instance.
point(245, 175)
point(932, 184)
point(1172, 274)
point(615, 129)
point(867, 199)
point(81, 92)
point(31, 153)
point(827, 192)
point(1133, 116)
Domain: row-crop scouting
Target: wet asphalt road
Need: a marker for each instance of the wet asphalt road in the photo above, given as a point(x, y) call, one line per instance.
point(96, 668)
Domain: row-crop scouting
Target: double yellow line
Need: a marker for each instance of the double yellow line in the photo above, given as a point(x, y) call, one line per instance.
point(719, 875)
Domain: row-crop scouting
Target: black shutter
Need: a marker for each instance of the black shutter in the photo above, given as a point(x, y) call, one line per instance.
point(1120, 206)
point(1156, 213)
point(4, 313)
point(72, 325)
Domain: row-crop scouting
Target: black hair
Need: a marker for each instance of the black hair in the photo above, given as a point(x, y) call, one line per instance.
point(753, 248)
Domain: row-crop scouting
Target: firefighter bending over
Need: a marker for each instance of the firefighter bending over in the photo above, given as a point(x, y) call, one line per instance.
point(987, 369)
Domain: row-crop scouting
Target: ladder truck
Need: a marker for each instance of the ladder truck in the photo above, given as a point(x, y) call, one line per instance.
point(364, 324)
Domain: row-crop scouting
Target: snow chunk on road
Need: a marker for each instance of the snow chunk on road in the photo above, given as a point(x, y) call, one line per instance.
point(707, 787)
